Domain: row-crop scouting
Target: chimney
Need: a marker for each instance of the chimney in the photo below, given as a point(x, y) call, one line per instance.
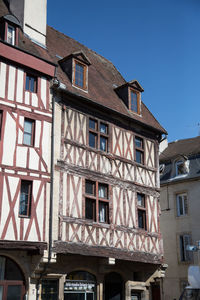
point(33, 18)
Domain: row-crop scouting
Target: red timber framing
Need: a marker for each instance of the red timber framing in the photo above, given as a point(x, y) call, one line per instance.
point(79, 163)
point(21, 161)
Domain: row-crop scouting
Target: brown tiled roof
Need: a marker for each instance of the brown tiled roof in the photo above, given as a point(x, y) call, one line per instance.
point(185, 147)
point(102, 79)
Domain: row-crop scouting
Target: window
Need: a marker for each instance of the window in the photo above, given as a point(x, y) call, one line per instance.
point(80, 75)
point(181, 202)
point(31, 83)
point(134, 104)
point(141, 211)
point(98, 135)
point(96, 201)
point(139, 150)
point(185, 240)
point(29, 126)
point(25, 198)
point(181, 167)
point(10, 34)
point(49, 289)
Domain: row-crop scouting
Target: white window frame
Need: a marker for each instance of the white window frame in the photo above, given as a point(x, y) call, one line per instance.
point(184, 200)
point(13, 34)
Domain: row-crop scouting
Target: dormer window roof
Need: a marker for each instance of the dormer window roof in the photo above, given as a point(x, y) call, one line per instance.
point(130, 93)
point(75, 66)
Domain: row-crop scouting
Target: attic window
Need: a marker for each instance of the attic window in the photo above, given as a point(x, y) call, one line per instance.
point(9, 29)
point(181, 167)
point(134, 101)
point(10, 36)
point(80, 75)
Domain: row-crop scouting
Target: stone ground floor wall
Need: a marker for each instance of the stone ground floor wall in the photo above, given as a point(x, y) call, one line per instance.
point(135, 277)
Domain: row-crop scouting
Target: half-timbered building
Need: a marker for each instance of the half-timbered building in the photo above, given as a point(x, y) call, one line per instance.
point(25, 143)
point(103, 202)
point(106, 183)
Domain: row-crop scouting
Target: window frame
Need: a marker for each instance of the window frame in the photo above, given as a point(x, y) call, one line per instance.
point(185, 255)
point(177, 164)
point(139, 149)
point(96, 199)
point(97, 132)
point(131, 90)
point(31, 76)
point(184, 205)
point(142, 209)
point(32, 132)
point(85, 74)
point(28, 184)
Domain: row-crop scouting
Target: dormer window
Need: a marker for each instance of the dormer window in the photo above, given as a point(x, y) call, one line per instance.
point(134, 101)
point(9, 29)
point(180, 168)
point(80, 75)
point(10, 37)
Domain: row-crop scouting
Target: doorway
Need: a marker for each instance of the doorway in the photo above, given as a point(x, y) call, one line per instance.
point(12, 283)
point(113, 286)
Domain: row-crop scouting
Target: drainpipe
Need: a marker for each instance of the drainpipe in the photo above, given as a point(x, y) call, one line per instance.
point(51, 194)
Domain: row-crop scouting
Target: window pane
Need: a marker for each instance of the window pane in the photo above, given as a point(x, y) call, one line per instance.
point(139, 157)
point(140, 200)
point(103, 143)
point(49, 289)
point(28, 126)
point(1, 292)
point(92, 140)
point(103, 128)
point(180, 205)
point(24, 198)
point(2, 267)
point(90, 209)
point(14, 292)
point(79, 75)
point(90, 187)
point(11, 35)
point(134, 103)
point(27, 139)
point(28, 132)
point(141, 219)
point(103, 191)
point(92, 124)
point(32, 84)
point(103, 212)
point(138, 142)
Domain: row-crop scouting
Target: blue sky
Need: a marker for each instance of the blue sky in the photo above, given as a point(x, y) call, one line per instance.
point(156, 42)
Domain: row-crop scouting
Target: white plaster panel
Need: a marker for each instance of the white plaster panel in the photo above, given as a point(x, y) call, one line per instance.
point(46, 142)
point(21, 156)
point(2, 79)
point(33, 160)
point(128, 140)
point(78, 188)
point(130, 208)
point(37, 133)
point(20, 136)
point(44, 91)
point(11, 83)
point(9, 141)
point(64, 193)
point(40, 209)
point(69, 114)
point(34, 100)
point(20, 84)
point(117, 205)
point(81, 159)
point(27, 97)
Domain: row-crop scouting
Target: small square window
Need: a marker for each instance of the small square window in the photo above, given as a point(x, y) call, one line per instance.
point(25, 198)
point(80, 73)
point(29, 126)
point(31, 83)
point(10, 34)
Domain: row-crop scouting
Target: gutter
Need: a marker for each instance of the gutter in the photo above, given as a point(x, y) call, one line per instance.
point(51, 197)
point(62, 87)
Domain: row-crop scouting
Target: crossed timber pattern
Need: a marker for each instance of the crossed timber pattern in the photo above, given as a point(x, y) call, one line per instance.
point(95, 236)
point(13, 227)
point(150, 153)
point(122, 143)
point(75, 126)
point(19, 155)
point(153, 213)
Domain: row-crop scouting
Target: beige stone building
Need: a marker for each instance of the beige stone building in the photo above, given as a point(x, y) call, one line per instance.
point(180, 203)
